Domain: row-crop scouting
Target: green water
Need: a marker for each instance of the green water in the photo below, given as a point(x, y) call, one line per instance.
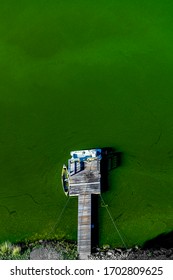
point(83, 74)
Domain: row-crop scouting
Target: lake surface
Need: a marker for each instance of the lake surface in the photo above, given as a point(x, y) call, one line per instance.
point(80, 75)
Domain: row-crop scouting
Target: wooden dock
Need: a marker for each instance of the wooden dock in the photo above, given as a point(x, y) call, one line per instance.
point(84, 184)
point(84, 225)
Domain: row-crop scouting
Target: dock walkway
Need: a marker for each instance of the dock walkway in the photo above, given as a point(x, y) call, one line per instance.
point(84, 184)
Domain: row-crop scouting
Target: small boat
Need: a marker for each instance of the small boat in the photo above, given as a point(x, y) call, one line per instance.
point(65, 179)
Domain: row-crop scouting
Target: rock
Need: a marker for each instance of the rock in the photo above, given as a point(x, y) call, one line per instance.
point(168, 253)
point(45, 254)
point(98, 249)
point(102, 254)
point(156, 253)
point(109, 253)
point(118, 250)
point(129, 250)
point(163, 250)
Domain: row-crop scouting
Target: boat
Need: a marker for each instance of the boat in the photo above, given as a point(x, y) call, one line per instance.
point(65, 179)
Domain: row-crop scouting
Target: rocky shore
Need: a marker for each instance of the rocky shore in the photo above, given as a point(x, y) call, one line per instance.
point(65, 250)
point(133, 254)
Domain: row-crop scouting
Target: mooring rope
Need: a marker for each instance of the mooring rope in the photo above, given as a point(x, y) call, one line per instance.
point(115, 226)
point(59, 217)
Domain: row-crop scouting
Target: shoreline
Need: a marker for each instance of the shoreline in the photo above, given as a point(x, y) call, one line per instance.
point(66, 250)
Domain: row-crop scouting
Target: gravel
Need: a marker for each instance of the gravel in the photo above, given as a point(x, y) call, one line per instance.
point(133, 254)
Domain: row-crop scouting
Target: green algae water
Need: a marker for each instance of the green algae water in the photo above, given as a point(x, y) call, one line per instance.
point(79, 75)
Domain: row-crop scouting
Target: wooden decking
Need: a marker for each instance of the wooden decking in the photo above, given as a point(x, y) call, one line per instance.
point(83, 184)
point(84, 225)
point(86, 181)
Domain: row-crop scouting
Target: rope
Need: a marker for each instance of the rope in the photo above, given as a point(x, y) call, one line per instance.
point(106, 206)
point(57, 222)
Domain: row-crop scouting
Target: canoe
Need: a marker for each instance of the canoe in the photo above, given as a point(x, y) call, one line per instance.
point(65, 179)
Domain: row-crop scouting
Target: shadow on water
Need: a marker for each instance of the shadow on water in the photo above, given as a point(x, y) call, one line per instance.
point(94, 221)
point(111, 159)
point(164, 240)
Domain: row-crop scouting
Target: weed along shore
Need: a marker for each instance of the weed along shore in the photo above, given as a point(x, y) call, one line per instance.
point(39, 250)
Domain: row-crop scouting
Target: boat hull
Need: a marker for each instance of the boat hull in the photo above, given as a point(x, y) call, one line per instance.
point(65, 180)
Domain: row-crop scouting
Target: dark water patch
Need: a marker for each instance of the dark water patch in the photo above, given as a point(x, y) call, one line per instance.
point(7, 209)
point(111, 159)
point(94, 221)
point(164, 240)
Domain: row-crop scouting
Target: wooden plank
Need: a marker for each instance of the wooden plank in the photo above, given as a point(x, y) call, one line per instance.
point(84, 225)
